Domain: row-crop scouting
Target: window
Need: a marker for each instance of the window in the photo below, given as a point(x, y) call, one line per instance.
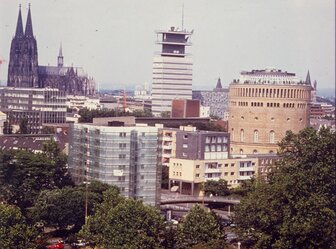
point(121, 145)
point(184, 154)
point(207, 139)
point(241, 151)
point(255, 136)
point(232, 173)
point(255, 152)
point(142, 166)
point(272, 137)
point(143, 134)
point(121, 167)
point(219, 139)
point(226, 165)
point(213, 147)
point(121, 178)
point(122, 156)
point(242, 135)
point(185, 145)
point(180, 173)
point(219, 147)
point(197, 175)
point(185, 136)
point(197, 166)
point(207, 148)
point(226, 173)
point(142, 177)
point(122, 134)
point(232, 164)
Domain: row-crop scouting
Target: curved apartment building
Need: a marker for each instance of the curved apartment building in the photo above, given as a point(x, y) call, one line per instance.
point(263, 105)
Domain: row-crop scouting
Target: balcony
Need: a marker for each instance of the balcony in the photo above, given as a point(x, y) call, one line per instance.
point(167, 138)
point(212, 179)
point(244, 177)
point(167, 147)
point(246, 169)
point(212, 170)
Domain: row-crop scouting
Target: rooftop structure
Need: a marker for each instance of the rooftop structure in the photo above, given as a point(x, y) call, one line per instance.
point(269, 76)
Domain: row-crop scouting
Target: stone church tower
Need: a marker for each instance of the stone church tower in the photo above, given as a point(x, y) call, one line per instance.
point(23, 62)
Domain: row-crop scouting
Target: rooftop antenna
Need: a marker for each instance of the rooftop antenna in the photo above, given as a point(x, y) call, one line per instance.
point(182, 15)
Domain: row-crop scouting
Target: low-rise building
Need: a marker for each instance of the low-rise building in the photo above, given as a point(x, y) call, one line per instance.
point(37, 105)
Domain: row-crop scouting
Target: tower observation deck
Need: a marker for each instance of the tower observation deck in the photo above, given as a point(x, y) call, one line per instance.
point(172, 69)
point(174, 42)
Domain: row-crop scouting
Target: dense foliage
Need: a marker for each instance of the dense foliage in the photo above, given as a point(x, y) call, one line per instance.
point(216, 188)
point(296, 209)
point(65, 207)
point(124, 223)
point(14, 231)
point(88, 115)
point(24, 174)
point(200, 228)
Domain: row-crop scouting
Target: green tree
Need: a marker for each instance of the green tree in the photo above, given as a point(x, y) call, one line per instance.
point(296, 209)
point(200, 228)
point(65, 207)
point(124, 223)
point(14, 231)
point(23, 175)
point(217, 188)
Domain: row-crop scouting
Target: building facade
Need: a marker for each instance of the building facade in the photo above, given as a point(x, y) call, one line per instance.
point(263, 105)
point(38, 105)
point(185, 108)
point(172, 70)
point(216, 100)
point(24, 70)
point(124, 156)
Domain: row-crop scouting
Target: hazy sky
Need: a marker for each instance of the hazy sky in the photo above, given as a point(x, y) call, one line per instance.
point(114, 40)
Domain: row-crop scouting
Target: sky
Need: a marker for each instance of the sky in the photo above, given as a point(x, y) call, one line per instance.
point(114, 40)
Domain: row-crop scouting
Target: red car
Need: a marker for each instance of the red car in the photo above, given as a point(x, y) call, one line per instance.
point(58, 245)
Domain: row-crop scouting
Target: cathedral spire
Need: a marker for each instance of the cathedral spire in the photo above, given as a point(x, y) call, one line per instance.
point(19, 26)
point(60, 57)
point(308, 82)
point(29, 25)
point(219, 84)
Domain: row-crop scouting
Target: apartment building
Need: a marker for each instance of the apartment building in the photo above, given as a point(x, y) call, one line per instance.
point(125, 156)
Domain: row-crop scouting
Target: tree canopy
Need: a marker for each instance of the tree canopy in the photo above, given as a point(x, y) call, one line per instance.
point(65, 207)
point(217, 188)
point(14, 231)
point(24, 174)
point(124, 223)
point(200, 228)
point(296, 208)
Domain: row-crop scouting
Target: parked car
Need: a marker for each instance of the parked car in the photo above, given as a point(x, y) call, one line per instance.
point(58, 245)
point(79, 243)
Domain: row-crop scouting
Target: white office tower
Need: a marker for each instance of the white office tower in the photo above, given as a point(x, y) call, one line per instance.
point(172, 70)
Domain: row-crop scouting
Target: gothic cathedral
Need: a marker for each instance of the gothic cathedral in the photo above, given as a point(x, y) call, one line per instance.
point(24, 71)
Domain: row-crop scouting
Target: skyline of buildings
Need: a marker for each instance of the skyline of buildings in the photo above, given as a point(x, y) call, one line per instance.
point(226, 51)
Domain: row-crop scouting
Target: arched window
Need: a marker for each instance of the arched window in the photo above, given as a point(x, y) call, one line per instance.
point(272, 137)
point(255, 152)
point(255, 136)
point(241, 151)
point(242, 135)
point(232, 134)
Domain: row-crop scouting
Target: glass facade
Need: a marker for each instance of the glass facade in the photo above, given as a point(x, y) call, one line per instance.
point(126, 157)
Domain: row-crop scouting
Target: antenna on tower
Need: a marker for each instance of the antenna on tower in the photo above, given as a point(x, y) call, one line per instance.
point(182, 15)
